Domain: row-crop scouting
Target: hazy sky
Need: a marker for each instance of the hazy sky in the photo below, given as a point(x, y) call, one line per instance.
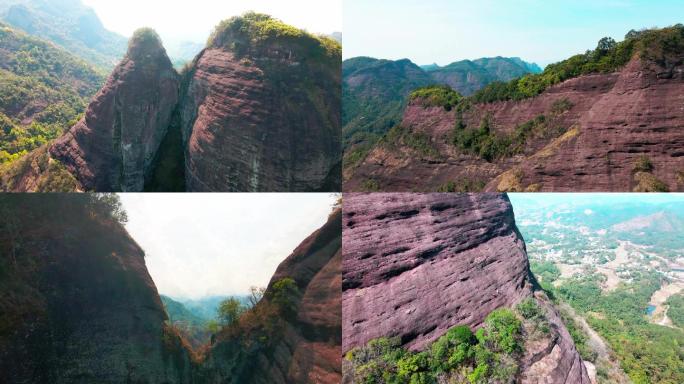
point(182, 20)
point(199, 245)
point(541, 31)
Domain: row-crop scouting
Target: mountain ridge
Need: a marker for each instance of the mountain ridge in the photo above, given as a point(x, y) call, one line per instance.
point(554, 131)
point(69, 24)
point(375, 91)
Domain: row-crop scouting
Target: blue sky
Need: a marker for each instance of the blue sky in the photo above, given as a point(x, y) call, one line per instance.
point(541, 31)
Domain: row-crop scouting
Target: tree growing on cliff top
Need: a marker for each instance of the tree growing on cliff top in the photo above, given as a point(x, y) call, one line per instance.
point(230, 311)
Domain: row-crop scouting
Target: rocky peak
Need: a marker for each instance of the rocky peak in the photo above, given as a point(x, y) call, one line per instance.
point(113, 147)
point(146, 45)
point(242, 112)
point(261, 35)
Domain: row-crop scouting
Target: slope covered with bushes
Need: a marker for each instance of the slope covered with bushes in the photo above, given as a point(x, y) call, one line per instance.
point(43, 91)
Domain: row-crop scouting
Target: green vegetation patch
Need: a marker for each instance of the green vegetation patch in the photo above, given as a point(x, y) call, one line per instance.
point(491, 146)
point(258, 28)
point(417, 141)
point(462, 185)
point(43, 91)
point(46, 173)
point(437, 96)
point(489, 355)
point(675, 310)
point(642, 164)
point(662, 46)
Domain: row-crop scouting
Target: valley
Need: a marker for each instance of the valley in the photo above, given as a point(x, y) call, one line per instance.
point(79, 305)
point(616, 263)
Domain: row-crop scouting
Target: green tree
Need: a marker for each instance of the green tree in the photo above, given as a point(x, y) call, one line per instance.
point(502, 331)
point(284, 294)
point(230, 310)
point(606, 44)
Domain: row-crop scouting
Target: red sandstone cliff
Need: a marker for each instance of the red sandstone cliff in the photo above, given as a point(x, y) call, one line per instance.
point(258, 110)
point(263, 114)
point(415, 265)
point(613, 121)
point(113, 147)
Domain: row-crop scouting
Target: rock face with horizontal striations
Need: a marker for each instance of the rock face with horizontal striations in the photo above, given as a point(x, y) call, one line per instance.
point(113, 147)
point(415, 265)
point(261, 112)
point(78, 304)
point(307, 347)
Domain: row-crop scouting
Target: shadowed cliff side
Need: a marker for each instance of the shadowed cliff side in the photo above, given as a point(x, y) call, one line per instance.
point(293, 335)
point(77, 302)
point(113, 147)
point(79, 305)
point(417, 265)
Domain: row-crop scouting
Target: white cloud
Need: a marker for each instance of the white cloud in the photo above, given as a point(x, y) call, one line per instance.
point(198, 245)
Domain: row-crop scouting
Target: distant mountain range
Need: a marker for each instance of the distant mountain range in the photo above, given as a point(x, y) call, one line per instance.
point(43, 91)
point(375, 91)
point(69, 24)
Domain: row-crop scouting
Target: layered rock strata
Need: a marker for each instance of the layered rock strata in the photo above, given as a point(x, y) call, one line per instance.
point(415, 265)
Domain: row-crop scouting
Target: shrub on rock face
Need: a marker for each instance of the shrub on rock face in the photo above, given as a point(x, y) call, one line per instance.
point(284, 294)
point(643, 164)
point(458, 356)
point(230, 310)
point(529, 309)
point(437, 96)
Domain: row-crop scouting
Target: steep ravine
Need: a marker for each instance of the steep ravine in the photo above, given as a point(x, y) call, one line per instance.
point(416, 265)
point(79, 306)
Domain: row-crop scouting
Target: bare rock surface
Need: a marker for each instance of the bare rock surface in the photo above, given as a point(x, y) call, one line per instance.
point(113, 147)
point(415, 265)
point(263, 116)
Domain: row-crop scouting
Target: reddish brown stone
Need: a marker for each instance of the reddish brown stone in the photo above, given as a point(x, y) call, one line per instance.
point(614, 120)
point(113, 147)
point(415, 265)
